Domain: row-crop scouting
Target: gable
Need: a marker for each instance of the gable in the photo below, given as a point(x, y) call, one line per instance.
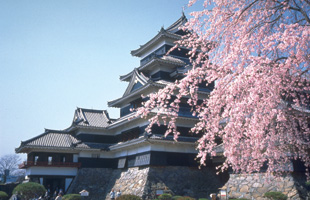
point(136, 86)
point(137, 81)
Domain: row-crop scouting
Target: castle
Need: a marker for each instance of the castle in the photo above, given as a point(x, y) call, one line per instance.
point(97, 153)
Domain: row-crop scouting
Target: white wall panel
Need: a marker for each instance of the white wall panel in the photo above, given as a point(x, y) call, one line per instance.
point(61, 171)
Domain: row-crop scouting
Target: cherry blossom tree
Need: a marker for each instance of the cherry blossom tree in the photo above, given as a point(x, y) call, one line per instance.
point(9, 166)
point(257, 53)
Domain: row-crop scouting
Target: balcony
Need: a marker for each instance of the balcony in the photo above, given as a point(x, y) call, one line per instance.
point(27, 164)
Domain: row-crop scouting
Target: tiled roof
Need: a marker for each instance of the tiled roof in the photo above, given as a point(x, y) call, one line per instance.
point(91, 145)
point(170, 138)
point(91, 118)
point(161, 34)
point(129, 97)
point(59, 139)
point(166, 59)
point(124, 119)
point(136, 77)
point(170, 32)
point(53, 139)
point(176, 25)
point(50, 139)
point(174, 59)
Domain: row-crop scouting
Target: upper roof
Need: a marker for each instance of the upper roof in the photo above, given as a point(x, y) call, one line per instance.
point(166, 60)
point(131, 93)
point(173, 32)
point(135, 78)
point(175, 27)
point(91, 118)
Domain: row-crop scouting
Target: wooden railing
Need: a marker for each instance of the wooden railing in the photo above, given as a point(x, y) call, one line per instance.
point(27, 164)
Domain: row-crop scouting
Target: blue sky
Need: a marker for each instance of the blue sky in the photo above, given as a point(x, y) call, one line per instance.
point(58, 55)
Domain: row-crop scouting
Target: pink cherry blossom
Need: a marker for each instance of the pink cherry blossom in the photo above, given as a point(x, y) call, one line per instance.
point(258, 53)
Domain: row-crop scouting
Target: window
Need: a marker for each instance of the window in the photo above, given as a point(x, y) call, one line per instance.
point(36, 158)
point(49, 160)
point(95, 155)
point(121, 163)
point(63, 159)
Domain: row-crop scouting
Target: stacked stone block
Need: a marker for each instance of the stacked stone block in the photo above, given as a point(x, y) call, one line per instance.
point(254, 186)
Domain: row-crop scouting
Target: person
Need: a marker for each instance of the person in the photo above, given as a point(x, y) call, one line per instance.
point(47, 195)
point(17, 197)
point(112, 194)
point(49, 189)
point(59, 197)
point(55, 194)
point(118, 194)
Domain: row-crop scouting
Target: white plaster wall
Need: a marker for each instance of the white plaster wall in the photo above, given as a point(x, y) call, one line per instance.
point(62, 171)
point(85, 154)
point(168, 147)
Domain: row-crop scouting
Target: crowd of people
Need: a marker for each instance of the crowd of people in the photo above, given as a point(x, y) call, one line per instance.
point(56, 195)
point(114, 194)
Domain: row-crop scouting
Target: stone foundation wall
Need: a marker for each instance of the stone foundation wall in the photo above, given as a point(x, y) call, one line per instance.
point(146, 181)
point(183, 181)
point(95, 180)
point(129, 181)
point(256, 185)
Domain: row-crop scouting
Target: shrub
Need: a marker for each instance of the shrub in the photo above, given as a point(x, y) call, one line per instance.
point(308, 183)
point(203, 199)
point(239, 199)
point(29, 190)
point(72, 197)
point(129, 197)
point(188, 198)
point(3, 195)
point(177, 198)
point(165, 197)
point(275, 195)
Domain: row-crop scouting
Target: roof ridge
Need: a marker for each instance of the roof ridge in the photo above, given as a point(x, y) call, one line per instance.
point(91, 109)
point(81, 112)
point(55, 131)
point(177, 23)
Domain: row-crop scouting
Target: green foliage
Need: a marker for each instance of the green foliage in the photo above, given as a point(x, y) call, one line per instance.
point(203, 199)
point(129, 197)
point(308, 183)
point(165, 197)
point(275, 195)
point(72, 197)
point(183, 198)
point(239, 199)
point(3, 195)
point(188, 198)
point(29, 190)
point(177, 198)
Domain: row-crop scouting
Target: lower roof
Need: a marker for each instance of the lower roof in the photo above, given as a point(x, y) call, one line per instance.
point(52, 140)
